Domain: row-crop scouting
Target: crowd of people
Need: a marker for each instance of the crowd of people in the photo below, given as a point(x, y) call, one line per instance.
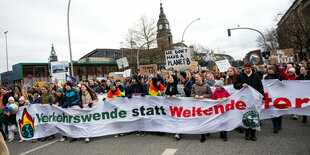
point(175, 84)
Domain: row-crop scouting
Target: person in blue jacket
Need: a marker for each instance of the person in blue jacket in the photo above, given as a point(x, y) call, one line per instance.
point(72, 97)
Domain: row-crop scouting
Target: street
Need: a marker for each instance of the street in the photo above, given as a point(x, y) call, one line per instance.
point(293, 139)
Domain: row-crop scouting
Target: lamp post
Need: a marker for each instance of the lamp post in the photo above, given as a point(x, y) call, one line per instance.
point(187, 27)
point(238, 28)
point(142, 46)
point(6, 48)
point(72, 74)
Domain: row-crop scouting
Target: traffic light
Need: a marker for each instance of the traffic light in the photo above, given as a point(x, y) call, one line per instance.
point(228, 31)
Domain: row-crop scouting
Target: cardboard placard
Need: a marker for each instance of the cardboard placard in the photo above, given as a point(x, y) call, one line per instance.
point(223, 65)
point(178, 58)
point(41, 83)
point(148, 69)
point(283, 55)
point(193, 66)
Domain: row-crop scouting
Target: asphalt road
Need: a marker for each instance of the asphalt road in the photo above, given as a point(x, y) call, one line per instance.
point(293, 139)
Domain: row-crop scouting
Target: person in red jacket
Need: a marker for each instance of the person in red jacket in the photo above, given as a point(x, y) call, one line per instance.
point(290, 75)
point(220, 94)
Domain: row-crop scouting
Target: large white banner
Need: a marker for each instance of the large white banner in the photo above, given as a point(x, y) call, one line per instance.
point(150, 113)
point(180, 115)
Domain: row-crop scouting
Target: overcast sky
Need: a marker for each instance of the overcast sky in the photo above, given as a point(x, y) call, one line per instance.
point(33, 25)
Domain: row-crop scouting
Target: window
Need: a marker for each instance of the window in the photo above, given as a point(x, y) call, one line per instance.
point(40, 71)
point(28, 70)
point(98, 69)
point(105, 69)
point(82, 70)
point(90, 70)
point(75, 70)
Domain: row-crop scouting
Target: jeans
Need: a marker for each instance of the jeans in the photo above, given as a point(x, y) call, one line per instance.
point(277, 121)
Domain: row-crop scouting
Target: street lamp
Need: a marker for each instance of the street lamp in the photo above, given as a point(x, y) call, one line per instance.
point(6, 48)
point(69, 39)
point(142, 46)
point(238, 28)
point(187, 27)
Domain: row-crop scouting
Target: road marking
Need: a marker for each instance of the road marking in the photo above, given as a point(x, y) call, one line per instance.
point(32, 150)
point(169, 152)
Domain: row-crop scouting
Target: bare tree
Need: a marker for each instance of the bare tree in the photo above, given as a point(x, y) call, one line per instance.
point(271, 39)
point(142, 32)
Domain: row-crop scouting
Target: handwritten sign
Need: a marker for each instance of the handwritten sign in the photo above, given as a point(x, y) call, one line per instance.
point(223, 65)
point(283, 55)
point(41, 83)
point(122, 63)
point(148, 69)
point(194, 66)
point(178, 58)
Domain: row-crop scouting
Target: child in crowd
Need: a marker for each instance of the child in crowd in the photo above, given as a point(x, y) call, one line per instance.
point(12, 127)
point(220, 94)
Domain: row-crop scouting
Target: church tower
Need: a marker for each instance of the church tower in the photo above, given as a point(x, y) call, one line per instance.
point(53, 56)
point(164, 36)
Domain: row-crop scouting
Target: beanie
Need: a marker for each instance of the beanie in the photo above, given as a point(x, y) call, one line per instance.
point(59, 90)
point(183, 74)
point(248, 64)
point(291, 70)
point(219, 83)
point(69, 84)
point(11, 99)
point(22, 98)
point(134, 76)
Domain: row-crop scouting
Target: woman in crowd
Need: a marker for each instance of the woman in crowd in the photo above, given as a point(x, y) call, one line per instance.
point(210, 79)
point(272, 73)
point(231, 76)
point(220, 94)
point(156, 88)
point(137, 86)
point(59, 101)
point(35, 99)
point(88, 97)
point(172, 87)
point(304, 75)
point(94, 86)
point(201, 90)
point(47, 98)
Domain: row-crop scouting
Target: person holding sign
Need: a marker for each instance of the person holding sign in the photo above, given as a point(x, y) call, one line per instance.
point(201, 90)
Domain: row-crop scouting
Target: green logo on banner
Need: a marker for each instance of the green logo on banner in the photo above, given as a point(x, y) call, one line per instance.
point(251, 119)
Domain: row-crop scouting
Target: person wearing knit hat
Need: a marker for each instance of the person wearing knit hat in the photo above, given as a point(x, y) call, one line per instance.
point(292, 70)
point(243, 80)
point(220, 94)
point(12, 122)
point(59, 90)
point(11, 99)
point(134, 76)
point(290, 75)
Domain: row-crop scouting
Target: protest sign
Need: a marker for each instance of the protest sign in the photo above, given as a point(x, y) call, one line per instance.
point(148, 69)
point(254, 57)
point(283, 55)
point(122, 63)
point(178, 58)
point(223, 65)
point(41, 83)
point(193, 66)
point(127, 73)
point(59, 70)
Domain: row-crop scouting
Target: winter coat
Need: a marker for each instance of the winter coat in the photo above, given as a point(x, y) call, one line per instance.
point(137, 88)
point(86, 98)
point(188, 88)
point(33, 100)
point(72, 97)
point(47, 98)
point(230, 80)
point(5, 99)
point(12, 117)
point(121, 88)
point(303, 77)
point(286, 76)
point(60, 99)
point(128, 91)
point(273, 76)
point(219, 94)
point(201, 89)
point(3, 119)
point(253, 80)
point(172, 88)
point(95, 88)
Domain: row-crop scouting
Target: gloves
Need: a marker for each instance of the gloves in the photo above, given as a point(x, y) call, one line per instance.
point(90, 105)
point(130, 96)
point(51, 103)
point(142, 94)
point(64, 106)
point(103, 99)
point(123, 96)
point(81, 105)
